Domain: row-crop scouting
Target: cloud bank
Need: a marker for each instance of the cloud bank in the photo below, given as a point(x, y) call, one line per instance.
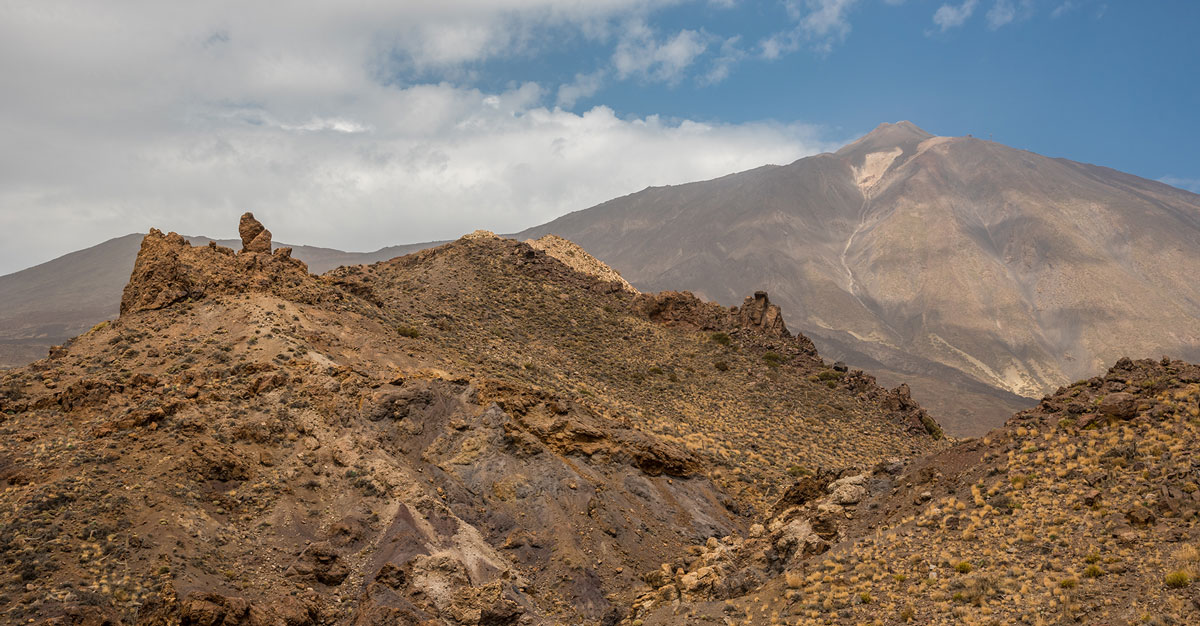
point(350, 129)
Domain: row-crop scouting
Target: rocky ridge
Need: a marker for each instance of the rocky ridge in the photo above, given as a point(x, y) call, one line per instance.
point(475, 434)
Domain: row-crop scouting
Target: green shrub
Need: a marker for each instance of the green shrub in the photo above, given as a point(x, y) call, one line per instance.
point(1178, 579)
point(963, 567)
point(798, 471)
point(408, 331)
point(932, 427)
point(773, 359)
point(720, 338)
point(722, 366)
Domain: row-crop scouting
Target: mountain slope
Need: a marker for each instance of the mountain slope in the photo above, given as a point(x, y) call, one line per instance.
point(473, 434)
point(1084, 509)
point(979, 272)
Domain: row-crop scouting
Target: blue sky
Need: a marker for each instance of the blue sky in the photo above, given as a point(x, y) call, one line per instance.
point(1112, 83)
point(366, 124)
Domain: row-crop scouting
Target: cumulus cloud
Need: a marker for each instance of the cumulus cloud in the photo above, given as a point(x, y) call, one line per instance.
point(181, 116)
point(952, 16)
point(584, 86)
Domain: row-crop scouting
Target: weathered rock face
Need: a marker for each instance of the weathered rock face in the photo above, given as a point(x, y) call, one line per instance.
point(904, 408)
point(255, 236)
point(168, 269)
point(758, 313)
point(681, 308)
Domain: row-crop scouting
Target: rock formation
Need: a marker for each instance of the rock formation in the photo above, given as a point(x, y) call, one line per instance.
point(758, 313)
point(168, 269)
point(255, 236)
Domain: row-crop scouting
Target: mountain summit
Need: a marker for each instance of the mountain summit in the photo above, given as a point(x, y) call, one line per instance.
point(984, 275)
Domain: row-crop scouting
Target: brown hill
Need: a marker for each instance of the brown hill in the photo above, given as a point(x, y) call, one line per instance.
point(474, 434)
point(983, 275)
point(1084, 509)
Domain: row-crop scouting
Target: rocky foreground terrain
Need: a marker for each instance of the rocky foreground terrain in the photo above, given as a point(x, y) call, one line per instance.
point(1085, 509)
point(478, 433)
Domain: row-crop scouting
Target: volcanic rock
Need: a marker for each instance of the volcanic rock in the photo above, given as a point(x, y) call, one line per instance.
point(255, 237)
point(758, 313)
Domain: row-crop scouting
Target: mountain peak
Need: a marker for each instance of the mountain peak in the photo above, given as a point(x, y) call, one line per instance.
point(886, 138)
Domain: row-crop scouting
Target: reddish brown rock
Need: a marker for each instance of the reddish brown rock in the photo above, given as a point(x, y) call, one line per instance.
point(255, 236)
point(1120, 405)
point(168, 269)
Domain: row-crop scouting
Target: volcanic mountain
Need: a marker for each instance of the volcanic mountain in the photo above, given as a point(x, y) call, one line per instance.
point(983, 275)
point(478, 433)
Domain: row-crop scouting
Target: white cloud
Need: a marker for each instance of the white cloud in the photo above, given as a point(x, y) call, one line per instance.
point(640, 54)
point(952, 16)
point(827, 18)
point(1001, 13)
point(584, 86)
point(821, 24)
point(1005, 12)
point(1063, 9)
point(117, 118)
point(729, 56)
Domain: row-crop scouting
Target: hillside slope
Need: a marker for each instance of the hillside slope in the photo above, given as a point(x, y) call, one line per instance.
point(983, 275)
point(1084, 509)
point(474, 434)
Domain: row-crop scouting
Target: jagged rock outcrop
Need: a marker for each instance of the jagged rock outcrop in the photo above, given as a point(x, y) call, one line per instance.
point(758, 313)
point(681, 308)
point(255, 236)
point(900, 402)
point(168, 269)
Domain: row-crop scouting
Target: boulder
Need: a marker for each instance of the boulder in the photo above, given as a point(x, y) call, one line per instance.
point(1120, 405)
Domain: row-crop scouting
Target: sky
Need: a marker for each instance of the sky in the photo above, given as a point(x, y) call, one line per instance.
point(368, 123)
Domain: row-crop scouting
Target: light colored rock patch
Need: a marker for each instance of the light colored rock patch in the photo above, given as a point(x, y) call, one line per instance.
point(576, 258)
point(932, 142)
point(873, 168)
